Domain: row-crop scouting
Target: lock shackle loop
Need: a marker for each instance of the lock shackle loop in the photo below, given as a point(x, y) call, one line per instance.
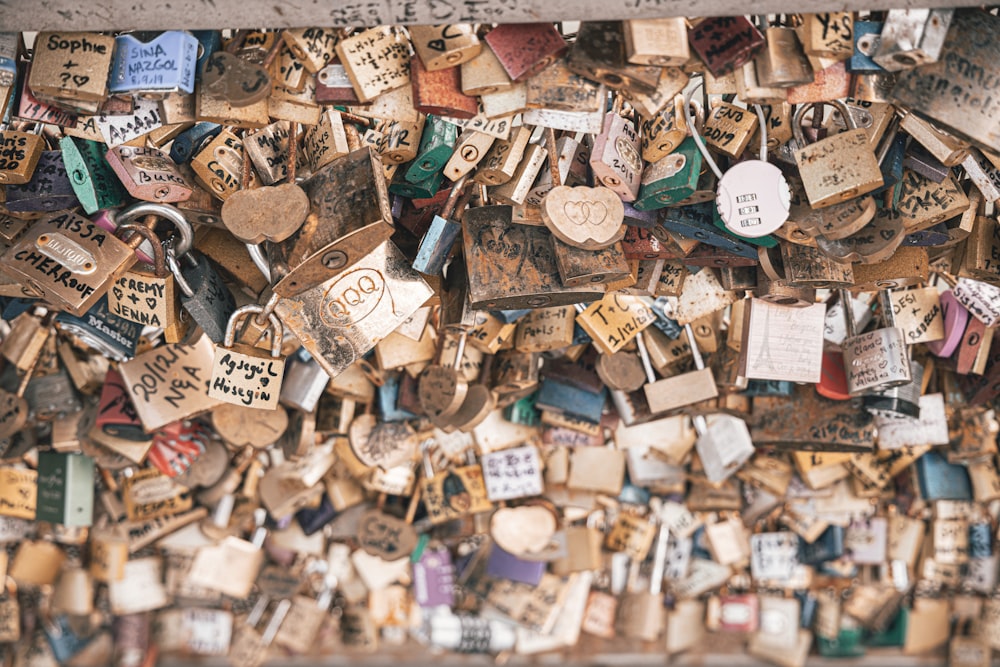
point(456, 191)
point(696, 137)
point(848, 305)
point(170, 213)
point(175, 269)
point(260, 261)
point(159, 257)
point(799, 136)
point(277, 330)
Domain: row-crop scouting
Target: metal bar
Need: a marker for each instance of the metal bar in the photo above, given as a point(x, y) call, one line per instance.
point(23, 15)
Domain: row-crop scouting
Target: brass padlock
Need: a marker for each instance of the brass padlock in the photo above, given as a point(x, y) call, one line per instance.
point(839, 167)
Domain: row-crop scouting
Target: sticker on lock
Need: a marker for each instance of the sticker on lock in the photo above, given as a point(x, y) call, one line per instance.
point(67, 252)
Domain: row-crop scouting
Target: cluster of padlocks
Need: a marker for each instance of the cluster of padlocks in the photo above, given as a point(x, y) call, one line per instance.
point(647, 336)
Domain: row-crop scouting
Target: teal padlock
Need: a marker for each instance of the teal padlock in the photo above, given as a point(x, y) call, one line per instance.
point(846, 645)
point(424, 189)
point(671, 179)
point(437, 143)
point(895, 634)
point(523, 411)
point(93, 181)
point(768, 241)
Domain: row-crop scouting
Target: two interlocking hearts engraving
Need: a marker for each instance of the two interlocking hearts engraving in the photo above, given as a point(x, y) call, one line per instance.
point(587, 218)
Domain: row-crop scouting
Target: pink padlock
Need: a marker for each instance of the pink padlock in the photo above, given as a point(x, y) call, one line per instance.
point(107, 219)
point(955, 319)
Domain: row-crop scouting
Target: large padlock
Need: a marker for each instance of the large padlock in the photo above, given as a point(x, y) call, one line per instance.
point(837, 168)
point(69, 261)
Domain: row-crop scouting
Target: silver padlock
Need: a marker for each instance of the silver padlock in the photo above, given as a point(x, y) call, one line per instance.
point(875, 360)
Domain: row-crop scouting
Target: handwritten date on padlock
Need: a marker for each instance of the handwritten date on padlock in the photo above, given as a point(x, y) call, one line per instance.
point(587, 218)
point(238, 82)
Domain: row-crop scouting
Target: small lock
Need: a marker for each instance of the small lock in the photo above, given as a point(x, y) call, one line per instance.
point(158, 66)
point(49, 189)
point(85, 80)
point(912, 37)
point(143, 296)
point(21, 152)
point(96, 186)
point(243, 374)
point(874, 360)
point(149, 174)
point(726, 42)
point(782, 62)
point(444, 46)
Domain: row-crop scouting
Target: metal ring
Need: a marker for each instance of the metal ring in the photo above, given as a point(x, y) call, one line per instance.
point(165, 211)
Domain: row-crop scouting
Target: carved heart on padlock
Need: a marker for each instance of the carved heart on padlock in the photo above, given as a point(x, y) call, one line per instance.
point(587, 218)
point(271, 213)
point(877, 241)
point(234, 80)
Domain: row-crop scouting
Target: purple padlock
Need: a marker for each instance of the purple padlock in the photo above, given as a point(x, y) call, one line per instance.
point(505, 565)
point(434, 579)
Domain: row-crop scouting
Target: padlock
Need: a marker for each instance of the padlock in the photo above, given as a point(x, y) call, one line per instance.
point(358, 56)
point(912, 37)
point(19, 155)
point(361, 304)
point(157, 66)
point(72, 66)
point(875, 360)
point(847, 155)
point(443, 46)
point(437, 143)
point(250, 647)
point(251, 215)
point(782, 63)
point(149, 174)
point(142, 296)
point(662, 42)
point(244, 375)
point(218, 164)
point(599, 54)
point(435, 247)
point(525, 49)
point(728, 128)
point(49, 189)
point(203, 294)
point(96, 186)
point(69, 260)
point(725, 43)
point(642, 614)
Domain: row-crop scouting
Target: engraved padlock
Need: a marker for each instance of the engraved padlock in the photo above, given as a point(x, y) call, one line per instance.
point(875, 360)
point(244, 374)
point(840, 167)
point(143, 296)
point(154, 67)
point(19, 154)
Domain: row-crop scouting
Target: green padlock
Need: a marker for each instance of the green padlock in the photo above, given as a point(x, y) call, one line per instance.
point(671, 179)
point(94, 182)
point(895, 634)
point(437, 143)
point(523, 411)
point(846, 645)
point(65, 489)
point(424, 189)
